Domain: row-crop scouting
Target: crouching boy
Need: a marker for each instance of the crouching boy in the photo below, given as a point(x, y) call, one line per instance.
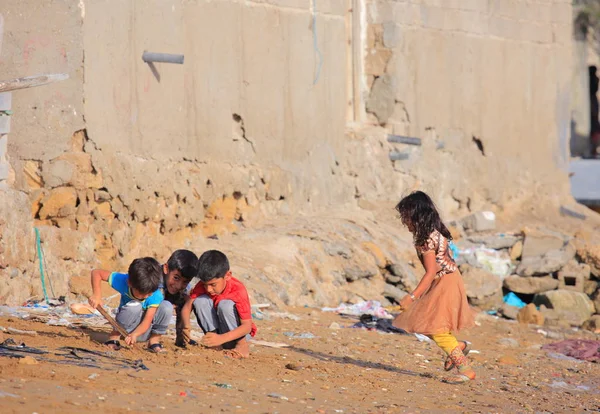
point(221, 305)
point(142, 311)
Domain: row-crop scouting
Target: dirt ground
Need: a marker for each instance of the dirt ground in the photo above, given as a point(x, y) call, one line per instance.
point(338, 371)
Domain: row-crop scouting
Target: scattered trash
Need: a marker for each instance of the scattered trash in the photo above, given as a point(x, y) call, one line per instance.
point(82, 309)
point(269, 344)
point(584, 349)
point(371, 322)
point(278, 396)
point(424, 338)
point(284, 315)
point(223, 385)
point(335, 325)
point(20, 332)
point(562, 357)
point(8, 394)
point(570, 387)
point(304, 335)
point(513, 300)
point(183, 394)
point(497, 262)
point(370, 307)
point(93, 376)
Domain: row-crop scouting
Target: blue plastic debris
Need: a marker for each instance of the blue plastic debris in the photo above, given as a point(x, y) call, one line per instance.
point(514, 300)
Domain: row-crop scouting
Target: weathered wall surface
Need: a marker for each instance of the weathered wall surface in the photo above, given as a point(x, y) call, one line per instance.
point(120, 162)
point(456, 71)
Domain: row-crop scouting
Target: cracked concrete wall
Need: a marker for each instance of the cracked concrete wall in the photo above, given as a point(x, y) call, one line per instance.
point(120, 161)
point(463, 72)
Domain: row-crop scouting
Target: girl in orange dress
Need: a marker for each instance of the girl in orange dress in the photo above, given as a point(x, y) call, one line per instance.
point(438, 307)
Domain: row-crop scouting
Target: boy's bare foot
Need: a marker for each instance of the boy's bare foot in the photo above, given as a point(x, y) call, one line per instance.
point(241, 350)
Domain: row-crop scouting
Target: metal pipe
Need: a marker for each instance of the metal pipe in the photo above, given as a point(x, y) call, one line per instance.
point(397, 156)
point(150, 57)
point(404, 140)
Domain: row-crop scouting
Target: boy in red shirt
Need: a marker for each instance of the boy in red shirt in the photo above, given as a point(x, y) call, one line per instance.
point(221, 305)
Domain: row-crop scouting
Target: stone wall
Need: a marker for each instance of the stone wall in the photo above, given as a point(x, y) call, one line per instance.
point(124, 159)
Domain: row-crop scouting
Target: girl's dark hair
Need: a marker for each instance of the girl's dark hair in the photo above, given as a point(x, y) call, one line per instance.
point(419, 210)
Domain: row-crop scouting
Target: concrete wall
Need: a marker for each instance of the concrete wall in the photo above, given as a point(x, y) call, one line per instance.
point(498, 71)
point(119, 162)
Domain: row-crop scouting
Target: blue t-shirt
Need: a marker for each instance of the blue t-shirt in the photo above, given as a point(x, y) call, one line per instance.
point(118, 281)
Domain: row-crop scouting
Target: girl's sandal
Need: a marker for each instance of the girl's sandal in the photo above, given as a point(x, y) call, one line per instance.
point(448, 365)
point(113, 344)
point(157, 348)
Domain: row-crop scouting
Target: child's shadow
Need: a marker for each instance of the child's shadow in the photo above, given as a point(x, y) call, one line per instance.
point(358, 362)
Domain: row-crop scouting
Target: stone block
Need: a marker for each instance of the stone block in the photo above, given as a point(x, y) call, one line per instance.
point(480, 221)
point(530, 285)
point(483, 288)
point(571, 282)
point(573, 307)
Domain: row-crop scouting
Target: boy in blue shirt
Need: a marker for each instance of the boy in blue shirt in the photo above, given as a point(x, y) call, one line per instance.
point(142, 311)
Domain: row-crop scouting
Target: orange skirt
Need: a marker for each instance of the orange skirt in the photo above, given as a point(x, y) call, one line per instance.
point(443, 308)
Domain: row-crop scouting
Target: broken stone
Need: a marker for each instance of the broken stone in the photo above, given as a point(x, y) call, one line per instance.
point(592, 324)
point(390, 291)
point(60, 202)
point(509, 311)
point(516, 251)
point(72, 169)
point(483, 288)
point(495, 241)
point(32, 170)
point(544, 255)
point(590, 287)
point(573, 307)
point(377, 254)
point(480, 221)
point(406, 274)
point(530, 315)
point(530, 285)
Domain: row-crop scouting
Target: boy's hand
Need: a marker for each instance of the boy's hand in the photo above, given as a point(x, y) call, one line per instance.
point(95, 301)
point(212, 340)
point(131, 339)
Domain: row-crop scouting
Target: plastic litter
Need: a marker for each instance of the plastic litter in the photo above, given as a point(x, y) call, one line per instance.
point(497, 262)
point(511, 299)
point(369, 307)
point(304, 335)
point(570, 387)
point(223, 385)
point(278, 396)
point(423, 338)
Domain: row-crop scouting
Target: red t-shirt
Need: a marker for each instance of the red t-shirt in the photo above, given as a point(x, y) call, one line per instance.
point(234, 291)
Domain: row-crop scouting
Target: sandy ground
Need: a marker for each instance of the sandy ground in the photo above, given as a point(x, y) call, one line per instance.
point(339, 371)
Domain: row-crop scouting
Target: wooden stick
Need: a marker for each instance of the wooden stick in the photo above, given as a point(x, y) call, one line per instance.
point(114, 323)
